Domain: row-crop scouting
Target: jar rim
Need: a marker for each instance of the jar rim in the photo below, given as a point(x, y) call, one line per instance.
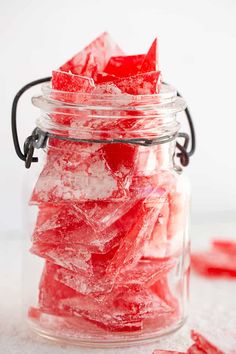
point(164, 102)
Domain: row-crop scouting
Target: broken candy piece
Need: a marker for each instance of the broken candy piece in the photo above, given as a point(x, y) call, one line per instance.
point(122, 310)
point(123, 66)
point(64, 225)
point(72, 176)
point(214, 263)
point(150, 62)
point(141, 84)
point(102, 48)
point(67, 82)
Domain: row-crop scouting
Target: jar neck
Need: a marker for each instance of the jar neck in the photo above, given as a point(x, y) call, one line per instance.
point(141, 120)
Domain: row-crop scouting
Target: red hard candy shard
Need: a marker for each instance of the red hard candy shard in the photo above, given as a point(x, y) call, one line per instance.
point(122, 66)
point(221, 343)
point(96, 54)
point(150, 62)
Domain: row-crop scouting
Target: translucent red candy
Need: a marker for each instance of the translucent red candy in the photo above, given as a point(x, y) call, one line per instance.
point(150, 62)
point(101, 49)
point(219, 261)
point(123, 66)
point(107, 212)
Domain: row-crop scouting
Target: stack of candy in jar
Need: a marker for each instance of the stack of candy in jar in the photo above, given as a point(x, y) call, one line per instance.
point(107, 213)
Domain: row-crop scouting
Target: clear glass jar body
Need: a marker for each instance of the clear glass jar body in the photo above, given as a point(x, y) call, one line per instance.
point(109, 250)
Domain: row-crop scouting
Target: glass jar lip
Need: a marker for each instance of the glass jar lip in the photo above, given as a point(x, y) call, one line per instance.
point(167, 92)
point(164, 102)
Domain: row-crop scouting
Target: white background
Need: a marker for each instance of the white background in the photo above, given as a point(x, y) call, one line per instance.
point(197, 55)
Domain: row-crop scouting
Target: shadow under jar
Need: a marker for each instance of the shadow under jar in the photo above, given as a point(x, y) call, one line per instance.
point(109, 253)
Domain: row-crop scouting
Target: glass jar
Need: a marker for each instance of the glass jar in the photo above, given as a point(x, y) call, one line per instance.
point(109, 250)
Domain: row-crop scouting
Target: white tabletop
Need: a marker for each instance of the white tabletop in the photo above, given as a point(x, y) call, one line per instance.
point(212, 305)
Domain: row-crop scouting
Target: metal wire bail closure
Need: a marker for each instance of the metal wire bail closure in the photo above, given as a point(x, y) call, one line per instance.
point(38, 138)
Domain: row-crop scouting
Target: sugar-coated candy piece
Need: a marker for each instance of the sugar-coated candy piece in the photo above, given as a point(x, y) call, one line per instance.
point(123, 66)
point(140, 84)
point(69, 176)
point(159, 351)
point(67, 82)
point(214, 263)
point(102, 48)
point(121, 310)
point(226, 246)
point(150, 62)
point(145, 273)
point(70, 256)
point(215, 343)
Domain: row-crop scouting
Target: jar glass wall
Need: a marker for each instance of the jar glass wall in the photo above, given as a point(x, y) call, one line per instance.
point(109, 249)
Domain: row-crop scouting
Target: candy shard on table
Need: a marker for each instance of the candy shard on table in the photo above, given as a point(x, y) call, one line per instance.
point(215, 342)
point(214, 263)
